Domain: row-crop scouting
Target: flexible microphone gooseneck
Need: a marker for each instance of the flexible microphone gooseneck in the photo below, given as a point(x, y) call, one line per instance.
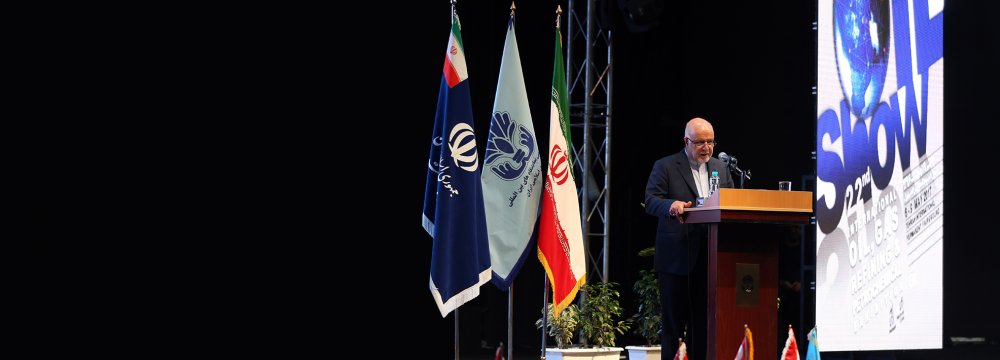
point(731, 163)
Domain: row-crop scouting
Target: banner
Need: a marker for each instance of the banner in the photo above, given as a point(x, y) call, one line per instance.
point(453, 201)
point(880, 174)
point(511, 170)
point(560, 232)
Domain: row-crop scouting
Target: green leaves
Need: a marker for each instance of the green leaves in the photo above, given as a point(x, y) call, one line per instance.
point(649, 317)
point(601, 309)
point(562, 327)
point(597, 320)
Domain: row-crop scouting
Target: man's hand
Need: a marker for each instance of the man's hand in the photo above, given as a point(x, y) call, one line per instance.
point(677, 209)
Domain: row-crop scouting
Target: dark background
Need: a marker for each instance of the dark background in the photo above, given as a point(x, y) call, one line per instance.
point(188, 169)
point(748, 67)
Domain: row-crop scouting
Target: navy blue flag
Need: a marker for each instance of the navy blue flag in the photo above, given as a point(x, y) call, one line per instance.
point(453, 198)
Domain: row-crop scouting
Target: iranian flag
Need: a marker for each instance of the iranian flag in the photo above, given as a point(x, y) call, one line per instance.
point(791, 350)
point(682, 351)
point(560, 233)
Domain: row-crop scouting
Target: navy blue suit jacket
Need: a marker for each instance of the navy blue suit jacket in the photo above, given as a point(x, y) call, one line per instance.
point(677, 244)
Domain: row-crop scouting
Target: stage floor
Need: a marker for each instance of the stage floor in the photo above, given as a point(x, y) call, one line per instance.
point(962, 352)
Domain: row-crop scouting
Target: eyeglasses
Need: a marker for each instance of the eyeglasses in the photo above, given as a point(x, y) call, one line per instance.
point(698, 143)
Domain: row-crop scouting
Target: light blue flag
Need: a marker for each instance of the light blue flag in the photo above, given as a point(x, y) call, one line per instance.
point(512, 181)
point(453, 202)
point(812, 353)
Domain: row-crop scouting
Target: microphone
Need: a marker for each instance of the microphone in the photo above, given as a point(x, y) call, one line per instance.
point(731, 164)
point(731, 160)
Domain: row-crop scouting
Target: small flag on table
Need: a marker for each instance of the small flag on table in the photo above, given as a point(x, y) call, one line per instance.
point(682, 351)
point(791, 350)
point(812, 353)
point(746, 347)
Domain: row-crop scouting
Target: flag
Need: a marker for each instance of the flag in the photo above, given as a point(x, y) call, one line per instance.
point(511, 177)
point(453, 202)
point(746, 347)
point(812, 353)
point(791, 350)
point(560, 232)
point(682, 352)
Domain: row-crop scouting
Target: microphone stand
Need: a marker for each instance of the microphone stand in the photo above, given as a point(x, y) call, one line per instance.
point(744, 175)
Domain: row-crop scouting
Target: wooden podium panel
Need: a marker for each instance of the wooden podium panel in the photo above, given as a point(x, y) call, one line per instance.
point(750, 205)
point(743, 264)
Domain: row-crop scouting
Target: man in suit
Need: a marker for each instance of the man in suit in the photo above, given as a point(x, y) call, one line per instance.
point(674, 185)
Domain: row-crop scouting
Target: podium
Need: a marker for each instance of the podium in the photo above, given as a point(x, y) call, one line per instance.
point(743, 264)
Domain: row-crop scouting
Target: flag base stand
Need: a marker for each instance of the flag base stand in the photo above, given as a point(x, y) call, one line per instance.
point(601, 353)
point(644, 352)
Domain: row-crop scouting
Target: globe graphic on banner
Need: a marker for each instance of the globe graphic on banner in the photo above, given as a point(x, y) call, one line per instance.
point(861, 42)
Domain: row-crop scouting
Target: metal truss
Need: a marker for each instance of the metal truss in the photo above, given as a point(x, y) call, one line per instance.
point(589, 73)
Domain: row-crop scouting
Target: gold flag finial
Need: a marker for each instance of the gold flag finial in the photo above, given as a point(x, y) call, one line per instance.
point(558, 15)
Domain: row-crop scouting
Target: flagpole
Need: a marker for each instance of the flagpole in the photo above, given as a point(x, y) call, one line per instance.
point(545, 277)
point(510, 320)
point(545, 312)
point(510, 290)
point(545, 290)
point(453, 2)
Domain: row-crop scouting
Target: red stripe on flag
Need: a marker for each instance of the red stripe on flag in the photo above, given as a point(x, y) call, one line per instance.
point(551, 243)
point(450, 74)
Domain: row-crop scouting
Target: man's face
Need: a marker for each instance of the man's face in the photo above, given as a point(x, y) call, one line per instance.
point(700, 144)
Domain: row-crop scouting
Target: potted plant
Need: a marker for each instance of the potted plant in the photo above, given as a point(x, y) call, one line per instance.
point(561, 328)
point(597, 320)
point(648, 318)
point(598, 317)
